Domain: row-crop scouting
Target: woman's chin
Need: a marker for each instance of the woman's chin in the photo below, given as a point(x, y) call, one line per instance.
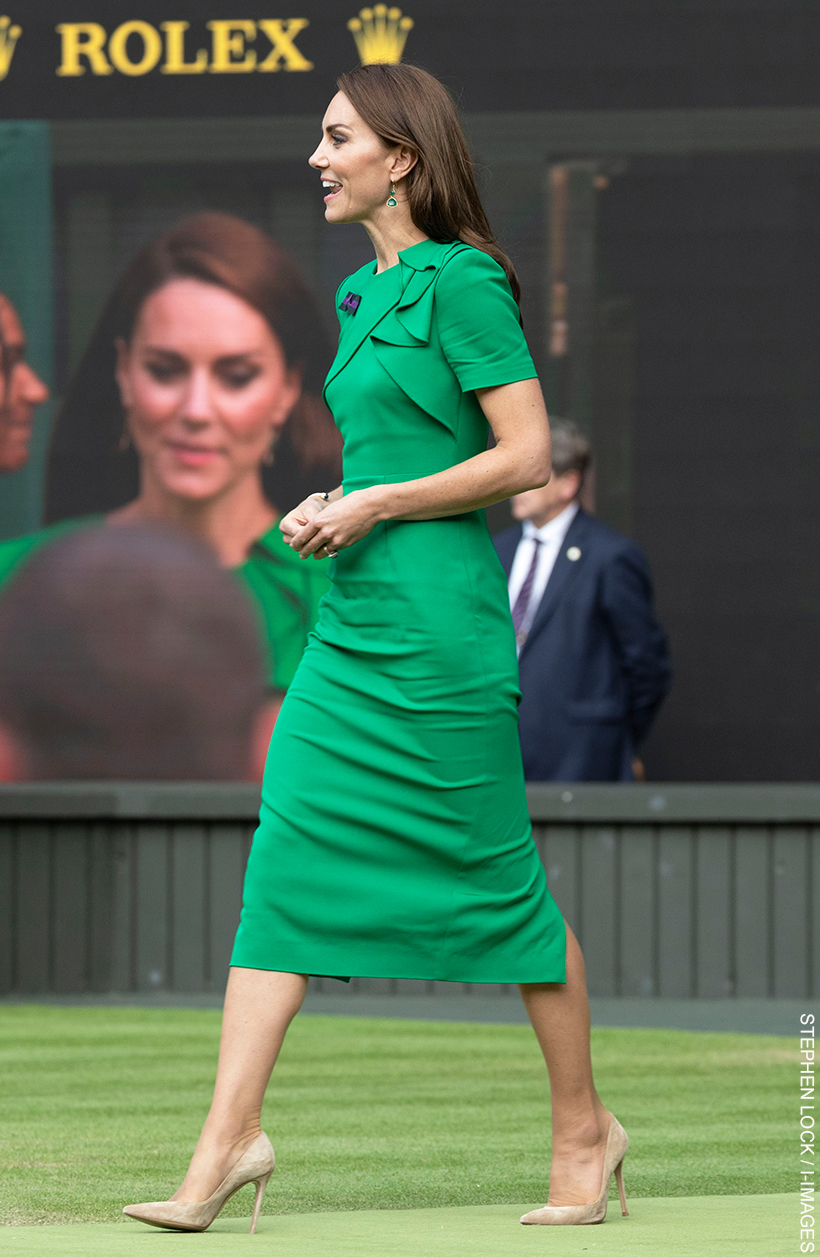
point(193, 486)
point(338, 213)
point(14, 448)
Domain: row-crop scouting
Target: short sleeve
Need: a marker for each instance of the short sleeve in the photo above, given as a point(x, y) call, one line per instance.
point(478, 323)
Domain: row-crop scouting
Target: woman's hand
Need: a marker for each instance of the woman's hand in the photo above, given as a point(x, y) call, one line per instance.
point(290, 524)
point(333, 525)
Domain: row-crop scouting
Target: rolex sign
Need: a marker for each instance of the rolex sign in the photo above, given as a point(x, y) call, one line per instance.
point(62, 59)
point(137, 48)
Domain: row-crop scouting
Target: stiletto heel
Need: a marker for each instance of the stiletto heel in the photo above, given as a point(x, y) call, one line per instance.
point(254, 1166)
point(617, 1142)
point(261, 1184)
point(619, 1179)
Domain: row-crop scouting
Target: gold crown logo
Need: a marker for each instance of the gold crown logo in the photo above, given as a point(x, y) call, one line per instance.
point(380, 34)
point(8, 40)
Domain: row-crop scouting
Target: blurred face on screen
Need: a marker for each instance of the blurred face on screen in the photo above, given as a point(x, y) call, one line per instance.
point(355, 164)
point(205, 388)
point(20, 391)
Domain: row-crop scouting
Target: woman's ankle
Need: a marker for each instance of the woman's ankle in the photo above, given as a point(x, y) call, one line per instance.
point(228, 1136)
point(580, 1131)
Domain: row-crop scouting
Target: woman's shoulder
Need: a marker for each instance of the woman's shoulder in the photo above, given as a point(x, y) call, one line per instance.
point(462, 260)
point(13, 553)
point(472, 288)
point(467, 268)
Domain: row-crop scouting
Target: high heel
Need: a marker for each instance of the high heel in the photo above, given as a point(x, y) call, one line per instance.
point(617, 1142)
point(254, 1166)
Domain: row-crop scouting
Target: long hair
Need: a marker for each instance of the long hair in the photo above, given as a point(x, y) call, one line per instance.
point(88, 471)
point(405, 105)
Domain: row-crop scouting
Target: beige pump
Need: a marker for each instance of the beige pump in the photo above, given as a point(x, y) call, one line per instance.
point(254, 1166)
point(617, 1142)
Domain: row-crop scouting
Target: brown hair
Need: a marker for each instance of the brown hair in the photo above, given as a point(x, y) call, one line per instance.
point(405, 105)
point(129, 652)
point(87, 469)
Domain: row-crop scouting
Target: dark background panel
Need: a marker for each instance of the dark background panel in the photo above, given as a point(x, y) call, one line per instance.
point(528, 55)
point(721, 259)
point(702, 384)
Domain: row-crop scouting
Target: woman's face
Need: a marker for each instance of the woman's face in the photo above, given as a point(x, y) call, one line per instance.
point(357, 163)
point(20, 391)
point(205, 388)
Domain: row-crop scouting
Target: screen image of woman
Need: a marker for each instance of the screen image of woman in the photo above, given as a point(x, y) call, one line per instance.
point(208, 357)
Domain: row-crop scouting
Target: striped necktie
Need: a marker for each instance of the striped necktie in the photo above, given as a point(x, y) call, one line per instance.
point(522, 602)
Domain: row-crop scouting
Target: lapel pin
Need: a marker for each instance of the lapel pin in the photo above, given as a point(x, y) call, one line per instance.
point(573, 554)
point(351, 303)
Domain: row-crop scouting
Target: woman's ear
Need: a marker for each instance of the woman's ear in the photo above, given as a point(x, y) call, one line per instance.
point(403, 163)
point(287, 398)
point(123, 358)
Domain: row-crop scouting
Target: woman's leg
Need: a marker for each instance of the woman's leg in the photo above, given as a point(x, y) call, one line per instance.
point(560, 1018)
point(259, 1007)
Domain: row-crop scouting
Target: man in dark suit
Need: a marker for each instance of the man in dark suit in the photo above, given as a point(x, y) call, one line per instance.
point(593, 659)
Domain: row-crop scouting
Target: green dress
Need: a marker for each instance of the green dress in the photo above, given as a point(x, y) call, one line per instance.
point(394, 838)
point(284, 589)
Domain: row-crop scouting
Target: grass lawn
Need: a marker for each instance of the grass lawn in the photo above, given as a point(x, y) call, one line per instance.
point(101, 1106)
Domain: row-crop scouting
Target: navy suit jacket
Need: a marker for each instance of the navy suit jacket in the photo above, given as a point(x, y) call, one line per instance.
point(595, 666)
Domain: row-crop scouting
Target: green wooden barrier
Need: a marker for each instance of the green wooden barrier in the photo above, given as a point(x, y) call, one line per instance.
point(679, 891)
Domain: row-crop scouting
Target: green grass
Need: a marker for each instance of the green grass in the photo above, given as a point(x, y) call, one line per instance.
point(101, 1106)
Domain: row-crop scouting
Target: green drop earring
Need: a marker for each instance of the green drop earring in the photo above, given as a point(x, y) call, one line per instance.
point(391, 200)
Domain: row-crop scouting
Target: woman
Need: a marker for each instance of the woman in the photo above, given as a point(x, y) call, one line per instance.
point(394, 839)
point(209, 352)
point(21, 390)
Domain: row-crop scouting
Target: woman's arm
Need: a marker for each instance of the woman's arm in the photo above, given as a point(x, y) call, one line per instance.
point(519, 460)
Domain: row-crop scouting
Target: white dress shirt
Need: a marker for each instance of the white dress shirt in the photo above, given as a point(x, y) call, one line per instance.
point(551, 537)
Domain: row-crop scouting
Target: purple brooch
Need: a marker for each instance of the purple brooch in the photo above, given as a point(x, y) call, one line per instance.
point(351, 303)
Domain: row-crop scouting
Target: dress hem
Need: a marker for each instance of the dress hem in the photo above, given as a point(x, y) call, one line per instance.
point(408, 977)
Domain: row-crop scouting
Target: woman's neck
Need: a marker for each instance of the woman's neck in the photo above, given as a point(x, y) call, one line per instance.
point(230, 523)
point(390, 231)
